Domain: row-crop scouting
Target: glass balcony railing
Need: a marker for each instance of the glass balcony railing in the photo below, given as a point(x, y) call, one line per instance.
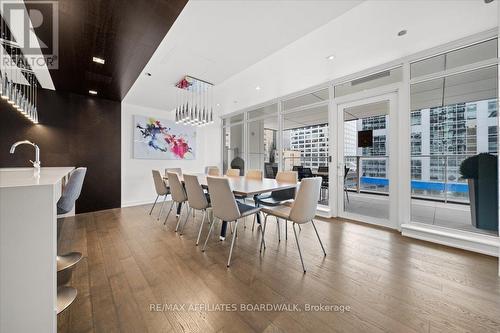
point(433, 177)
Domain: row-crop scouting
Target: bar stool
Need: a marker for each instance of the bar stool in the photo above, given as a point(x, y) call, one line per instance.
point(65, 296)
point(67, 262)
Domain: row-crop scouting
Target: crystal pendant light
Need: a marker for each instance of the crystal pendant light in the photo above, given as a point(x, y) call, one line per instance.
point(194, 103)
point(35, 110)
point(15, 96)
point(4, 93)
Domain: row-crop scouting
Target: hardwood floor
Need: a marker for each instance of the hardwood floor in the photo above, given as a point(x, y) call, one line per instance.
point(391, 283)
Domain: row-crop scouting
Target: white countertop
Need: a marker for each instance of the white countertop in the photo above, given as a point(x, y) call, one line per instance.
point(16, 177)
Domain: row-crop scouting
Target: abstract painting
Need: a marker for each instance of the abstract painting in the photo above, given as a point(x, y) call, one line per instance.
point(162, 139)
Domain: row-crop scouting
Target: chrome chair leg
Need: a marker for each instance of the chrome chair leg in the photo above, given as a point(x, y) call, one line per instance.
point(208, 235)
point(151, 211)
point(179, 219)
point(201, 226)
point(262, 235)
point(168, 214)
point(298, 246)
point(186, 220)
point(161, 209)
point(232, 243)
point(253, 224)
point(279, 231)
point(286, 229)
point(320, 242)
point(262, 242)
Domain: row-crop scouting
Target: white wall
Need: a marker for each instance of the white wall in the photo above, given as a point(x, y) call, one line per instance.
point(363, 37)
point(137, 182)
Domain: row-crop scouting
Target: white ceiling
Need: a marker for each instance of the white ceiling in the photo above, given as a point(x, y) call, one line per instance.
point(214, 40)
point(363, 37)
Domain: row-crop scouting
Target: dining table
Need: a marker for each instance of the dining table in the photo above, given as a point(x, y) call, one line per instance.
point(244, 187)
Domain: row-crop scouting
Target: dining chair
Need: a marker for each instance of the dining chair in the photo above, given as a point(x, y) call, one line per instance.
point(197, 199)
point(233, 172)
point(346, 173)
point(208, 167)
point(269, 170)
point(161, 190)
point(322, 169)
point(254, 174)
point(279, 197)
point(213, 171)
point(325, 182)
point(306, 173)
point(251, 174)
point(301, 211)
point(176, 170)
point(178, 196)
point(226, 208)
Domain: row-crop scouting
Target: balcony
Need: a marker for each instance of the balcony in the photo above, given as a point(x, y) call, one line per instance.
point(439, 196)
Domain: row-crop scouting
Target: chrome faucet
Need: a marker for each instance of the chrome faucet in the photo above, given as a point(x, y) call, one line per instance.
point(37, 162)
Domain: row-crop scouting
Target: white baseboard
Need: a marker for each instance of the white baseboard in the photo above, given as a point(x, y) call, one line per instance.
point(484, 244)
point(141, 202)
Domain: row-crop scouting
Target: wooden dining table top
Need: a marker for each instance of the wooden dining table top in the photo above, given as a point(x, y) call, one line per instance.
point(242, 185)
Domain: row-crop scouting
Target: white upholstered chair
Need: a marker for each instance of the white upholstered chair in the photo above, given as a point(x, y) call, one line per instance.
point(301, 211)
point(226, 208)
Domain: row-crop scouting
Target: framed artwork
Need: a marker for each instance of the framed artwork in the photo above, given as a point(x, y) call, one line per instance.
point(161, 139)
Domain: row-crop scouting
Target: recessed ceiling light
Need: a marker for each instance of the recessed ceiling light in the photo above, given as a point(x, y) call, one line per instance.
point(98, 60)
point(217, 104)
point(402, 33)
point(148, 74)
point(330, 57)
point(257, 88)
point(92, 92)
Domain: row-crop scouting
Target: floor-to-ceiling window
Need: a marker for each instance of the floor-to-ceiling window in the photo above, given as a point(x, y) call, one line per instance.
point(262, 139)
point(305, 138)
point(233, 153)
point(454, 125)
point(452, 117)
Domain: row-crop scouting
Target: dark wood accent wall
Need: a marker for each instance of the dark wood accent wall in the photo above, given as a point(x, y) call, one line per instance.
point(74, 130)
point(125, 33)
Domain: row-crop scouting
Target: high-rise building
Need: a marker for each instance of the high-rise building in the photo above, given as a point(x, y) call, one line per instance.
point(312, 143)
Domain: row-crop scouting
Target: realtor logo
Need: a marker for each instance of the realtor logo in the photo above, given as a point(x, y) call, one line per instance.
point(35, 27)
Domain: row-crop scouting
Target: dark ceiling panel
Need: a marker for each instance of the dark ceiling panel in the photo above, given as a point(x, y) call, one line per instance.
point(123, 32)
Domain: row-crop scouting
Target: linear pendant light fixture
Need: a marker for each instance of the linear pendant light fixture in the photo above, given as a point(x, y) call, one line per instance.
point(14, 73)
point(194, 102)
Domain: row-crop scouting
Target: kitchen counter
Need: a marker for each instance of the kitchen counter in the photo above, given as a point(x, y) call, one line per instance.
point(28, 247)
point(13, 177)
